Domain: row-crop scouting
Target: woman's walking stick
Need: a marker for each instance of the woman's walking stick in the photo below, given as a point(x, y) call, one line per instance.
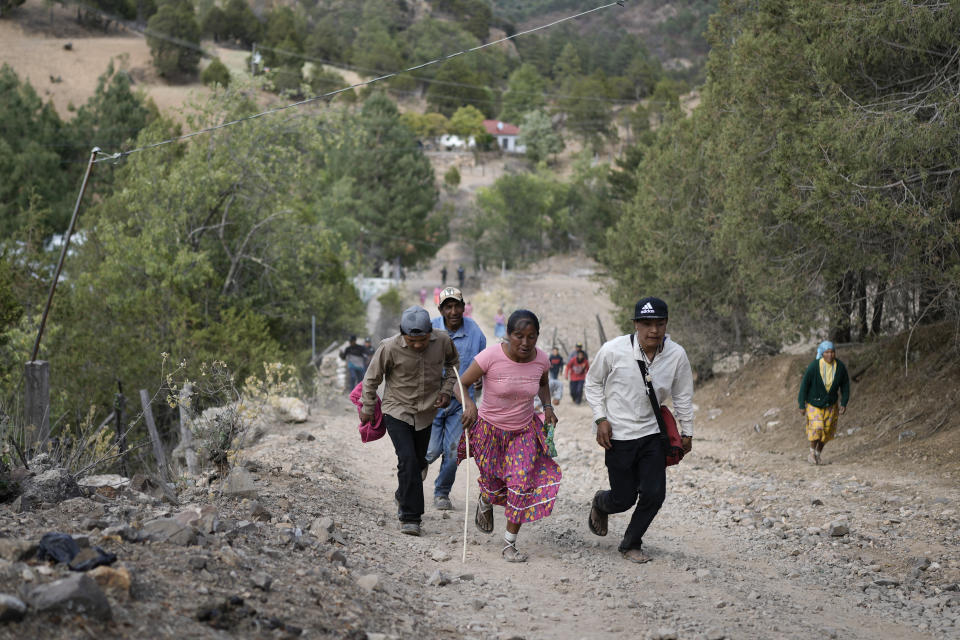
point(466, 499)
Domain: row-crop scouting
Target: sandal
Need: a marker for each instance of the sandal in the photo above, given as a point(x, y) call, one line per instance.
point(510, 553)
point(597, 516)
point(484, 516)
point(636, 555)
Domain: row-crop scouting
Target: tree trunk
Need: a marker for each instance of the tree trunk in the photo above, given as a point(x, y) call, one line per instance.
point(930, 306)
point(878, 299)
point(840, 332)
point(862, 305)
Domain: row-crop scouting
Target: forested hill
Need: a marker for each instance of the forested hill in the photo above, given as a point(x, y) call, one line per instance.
point(673, 30)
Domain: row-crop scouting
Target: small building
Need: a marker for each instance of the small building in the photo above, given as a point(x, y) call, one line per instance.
point(450, 142)
point(505, 134)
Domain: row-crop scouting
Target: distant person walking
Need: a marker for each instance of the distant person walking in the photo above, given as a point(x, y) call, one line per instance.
point(507, 438)
point(448, 424)
point(368, 351)
point(576, 373)
point(499, 324)
point(418, 366)
point(461, 273)
point(436, 296)
point(627, 427)
point(356, 357)
point(468, 310)
point(556, 363)
point(824, 382)
point(443, 275)
point(423, 296)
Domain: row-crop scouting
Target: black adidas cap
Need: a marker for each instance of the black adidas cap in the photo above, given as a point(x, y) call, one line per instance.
point(650, 308)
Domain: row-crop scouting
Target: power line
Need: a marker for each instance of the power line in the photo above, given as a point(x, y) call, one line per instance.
point(432, 81)
point(330, 94)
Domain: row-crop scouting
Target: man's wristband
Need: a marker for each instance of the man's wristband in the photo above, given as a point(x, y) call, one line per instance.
point(599, 420)
point(547, 406)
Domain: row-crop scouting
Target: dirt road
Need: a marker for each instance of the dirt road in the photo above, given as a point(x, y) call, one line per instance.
point(739, 549)
point(750, 543)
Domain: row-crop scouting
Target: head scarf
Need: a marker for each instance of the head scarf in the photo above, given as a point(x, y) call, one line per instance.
point(826, 345)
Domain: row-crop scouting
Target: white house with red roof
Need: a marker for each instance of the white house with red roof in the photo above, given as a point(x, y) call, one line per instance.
point(506, 135)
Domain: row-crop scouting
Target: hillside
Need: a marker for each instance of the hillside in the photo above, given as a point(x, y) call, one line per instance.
point(674, 30)
point(63, 59)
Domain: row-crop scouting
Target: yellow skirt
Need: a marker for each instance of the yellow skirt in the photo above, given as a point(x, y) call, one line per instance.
point(822, 423)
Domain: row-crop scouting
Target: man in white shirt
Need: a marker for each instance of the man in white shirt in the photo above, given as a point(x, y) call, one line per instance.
point(626, 425)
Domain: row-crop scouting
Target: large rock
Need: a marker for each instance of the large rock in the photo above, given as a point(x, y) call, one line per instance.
point(78, 593)
point(12, 609)
point(169, 530)
point(53, 486)
point(291, 409)
point(17, 549)
point(113, 480)
point(204, 518)
point(369, 582)
point(240, 484)
point(115, 581)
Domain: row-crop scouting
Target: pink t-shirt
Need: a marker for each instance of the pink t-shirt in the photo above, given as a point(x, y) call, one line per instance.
point(509, 387)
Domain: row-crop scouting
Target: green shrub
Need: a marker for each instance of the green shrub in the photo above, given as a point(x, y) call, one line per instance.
point(452, 177)
point(216, 73)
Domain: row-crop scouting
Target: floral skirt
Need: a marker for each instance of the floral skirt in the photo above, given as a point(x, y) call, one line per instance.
point(822, 423)
point(515, 470)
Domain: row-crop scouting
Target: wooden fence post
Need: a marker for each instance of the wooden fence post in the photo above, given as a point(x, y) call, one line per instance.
point(186, 434)
point(154, 437)
point(36, 391)
point(119, 404)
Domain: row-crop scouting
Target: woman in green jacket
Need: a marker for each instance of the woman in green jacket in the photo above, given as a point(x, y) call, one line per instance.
point(824, 380)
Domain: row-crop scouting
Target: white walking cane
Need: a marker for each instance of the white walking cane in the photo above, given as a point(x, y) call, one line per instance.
point(466, 499)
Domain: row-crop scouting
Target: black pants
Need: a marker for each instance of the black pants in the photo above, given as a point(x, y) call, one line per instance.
point(576, 391)
point(411, 448)
point(637, 470)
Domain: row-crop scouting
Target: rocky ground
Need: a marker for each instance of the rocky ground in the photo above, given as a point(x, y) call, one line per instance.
point(302, 540)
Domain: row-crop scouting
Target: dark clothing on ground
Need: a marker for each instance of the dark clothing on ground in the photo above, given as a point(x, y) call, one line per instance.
point(411, 447)
point(637, 470)
point(813, 391)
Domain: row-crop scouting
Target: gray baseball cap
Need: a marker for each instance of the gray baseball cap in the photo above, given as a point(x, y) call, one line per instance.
point(415, 321)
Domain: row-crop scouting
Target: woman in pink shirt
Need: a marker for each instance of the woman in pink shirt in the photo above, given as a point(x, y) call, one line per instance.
point(507, 439)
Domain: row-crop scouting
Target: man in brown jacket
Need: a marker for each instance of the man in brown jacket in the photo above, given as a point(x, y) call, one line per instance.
point(418, 365)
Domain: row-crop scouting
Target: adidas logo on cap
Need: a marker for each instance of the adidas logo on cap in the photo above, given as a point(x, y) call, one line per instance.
point(651, 307)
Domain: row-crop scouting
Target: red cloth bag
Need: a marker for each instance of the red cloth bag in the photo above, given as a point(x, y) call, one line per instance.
point(369, 431)
point(674, 444)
